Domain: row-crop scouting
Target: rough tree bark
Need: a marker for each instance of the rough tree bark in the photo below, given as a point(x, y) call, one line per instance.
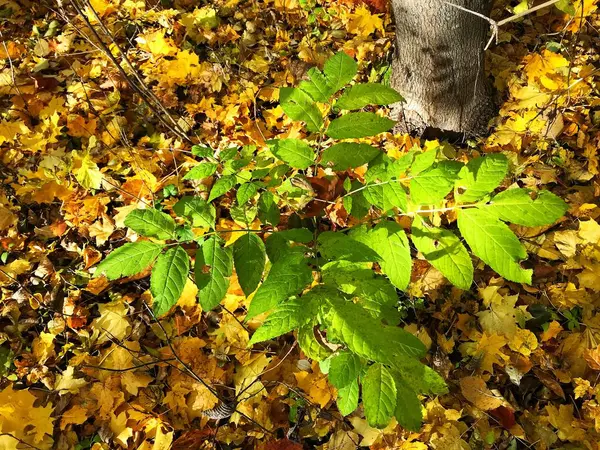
point(439, 66)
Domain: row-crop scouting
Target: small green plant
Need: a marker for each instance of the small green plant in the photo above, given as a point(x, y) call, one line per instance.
point(356, 308)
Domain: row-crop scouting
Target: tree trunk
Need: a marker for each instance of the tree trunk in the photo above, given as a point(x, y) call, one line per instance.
point(439, 66)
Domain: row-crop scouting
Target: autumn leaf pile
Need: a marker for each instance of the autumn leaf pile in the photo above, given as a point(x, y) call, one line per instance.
point(102, 101)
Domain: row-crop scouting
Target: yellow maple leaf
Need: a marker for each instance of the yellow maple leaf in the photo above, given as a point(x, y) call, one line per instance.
point(502, 316)
point(314, 383)
point(17, 413)
point(563, 420)
point(66, 383)
point(10, 130)
point(74, 416)
point(369, 434)
point(363, 22)
point(157, 44)
point(112, 323)
point(7, 218)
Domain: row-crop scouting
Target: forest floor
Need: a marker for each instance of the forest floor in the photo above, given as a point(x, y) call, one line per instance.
point(83, 362)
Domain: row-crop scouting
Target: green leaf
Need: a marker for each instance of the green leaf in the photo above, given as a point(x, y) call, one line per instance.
point(202, 151)
point(168, 279)
point(374, 292)
point(444, 250)
point(387, 195)
point(128, 260)
point(526, 207)
point(566, 6)
point(495, 243)
point(287, 316)
point(480, 177)
point(201, 171)
point(433, 184)
point(339, 70)
point(245, 192)
point(288, 276)
point(379, 395)
point(151, 223)
point(358, 125)
point(302, 235)
point(346, 155)
point(347, 322)
point(345, 367)
point(213, 267)
point(249, 257)
point(298, 105)
point(268, 212)
point(201, 213)
point(317, 86)
point(408, 408)
point(295, 152)
point(335, 245)
point(379, 298)
point(390, 242)
point(310, 345)
point(418, 377)
point(423, 161)
point(222, 186)
point(347, 399)
point(361, 95)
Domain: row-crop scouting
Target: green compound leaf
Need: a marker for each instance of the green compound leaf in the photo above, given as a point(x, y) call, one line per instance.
point(526, 207)
point(268, 211)
point(358, 125)
point(222, 186)
point(347, 399)
point(287, 316)
point(128, 260)
point(317, 86)
point(201, 171)
point(310, 345)
point(213, 267)
point(386, 196)
point(288, 276)
point(197, 210)
point(432, 185)
point(151, 223)
point(298, 105)
point(408, 407)
point(339, 71)
point(295, 152)
point(345, 367)
point(389, 241)
point(374, 292)
point(249, 257)
point(168, 278)
point(334, 245)
point(245, 192)
point(444, 250)
point(480, 177)
point(495, 243)
point(348, 155)
point(379, 395)
point(361, 95)
point(350, 324)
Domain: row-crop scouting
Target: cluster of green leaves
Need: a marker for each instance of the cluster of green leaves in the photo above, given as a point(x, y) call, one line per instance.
point(356, 307)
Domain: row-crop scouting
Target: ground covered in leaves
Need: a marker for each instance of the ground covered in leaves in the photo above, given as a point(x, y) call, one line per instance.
point(84, 363)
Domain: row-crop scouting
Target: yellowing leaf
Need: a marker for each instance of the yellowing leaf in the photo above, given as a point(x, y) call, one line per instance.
point(475, 390)
point(86, 171)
